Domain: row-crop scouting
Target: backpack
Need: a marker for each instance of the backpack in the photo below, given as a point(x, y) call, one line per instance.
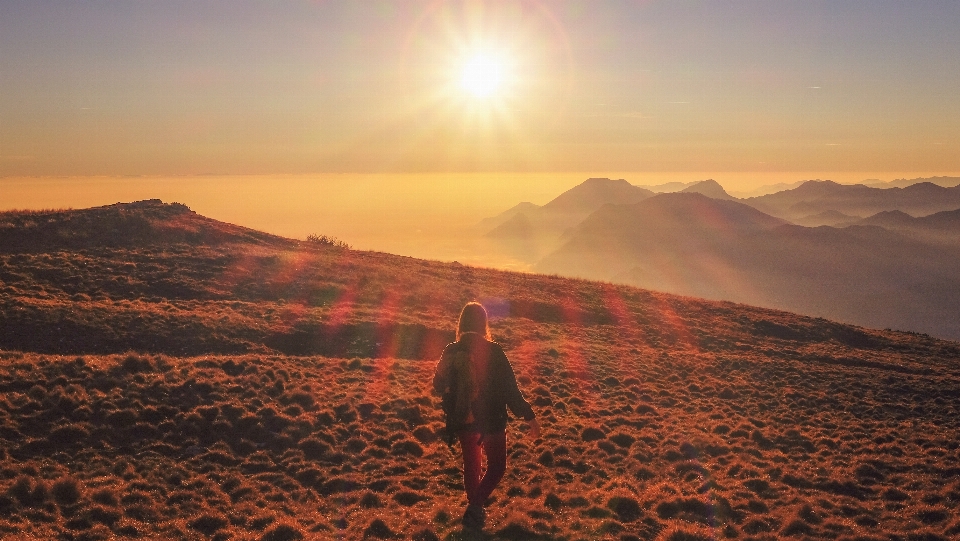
point(457, 401)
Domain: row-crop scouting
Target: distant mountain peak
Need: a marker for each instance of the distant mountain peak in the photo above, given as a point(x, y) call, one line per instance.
point(593, 193)
point(605, 180)
point(926, 187)
point(710, 188)
point(817, 186)
point(493, 222)
point(888, 218)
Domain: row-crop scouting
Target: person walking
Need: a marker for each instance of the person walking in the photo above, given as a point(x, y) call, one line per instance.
point(477, 384)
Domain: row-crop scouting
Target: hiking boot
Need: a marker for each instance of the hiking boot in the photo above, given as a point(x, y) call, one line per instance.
point(474, 517)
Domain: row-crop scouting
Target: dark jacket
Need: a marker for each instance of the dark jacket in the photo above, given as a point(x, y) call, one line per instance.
point(496, 383)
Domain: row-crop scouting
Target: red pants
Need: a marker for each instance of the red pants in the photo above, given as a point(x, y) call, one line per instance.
point(494, 447)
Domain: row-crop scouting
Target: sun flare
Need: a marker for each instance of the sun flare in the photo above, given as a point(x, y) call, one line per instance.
point(482, 75)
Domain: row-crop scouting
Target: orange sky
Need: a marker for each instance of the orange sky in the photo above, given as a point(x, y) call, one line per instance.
point(315, 87)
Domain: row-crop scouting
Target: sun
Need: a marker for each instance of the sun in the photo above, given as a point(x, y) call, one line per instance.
point(482, 75)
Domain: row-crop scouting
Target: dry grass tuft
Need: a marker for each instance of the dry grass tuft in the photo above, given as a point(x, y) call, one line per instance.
point(687, 532)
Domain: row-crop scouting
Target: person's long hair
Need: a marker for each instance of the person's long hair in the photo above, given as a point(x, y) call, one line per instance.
point(473, 318)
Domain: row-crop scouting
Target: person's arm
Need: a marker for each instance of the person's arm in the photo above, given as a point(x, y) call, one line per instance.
point(441, 376)
point(514, 398)
point(534, 430)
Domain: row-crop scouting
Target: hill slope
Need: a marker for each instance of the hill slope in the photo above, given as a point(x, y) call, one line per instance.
point(264, 388)
point(143, 223)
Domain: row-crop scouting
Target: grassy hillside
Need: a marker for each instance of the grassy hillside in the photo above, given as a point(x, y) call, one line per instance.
point(234, 385)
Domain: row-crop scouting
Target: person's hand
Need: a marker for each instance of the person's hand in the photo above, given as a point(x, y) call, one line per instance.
point(534, 429)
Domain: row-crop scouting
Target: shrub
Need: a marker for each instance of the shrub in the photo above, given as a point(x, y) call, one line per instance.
point(425, 434)
point(134, 364)
point(592, 434)
point(105, 496)
point(28, 494)
point(314, 449)
point(325, 240)
point(282, 532)
point(797, 528)
point(66, 491)
point(369, 500)
point(517, 531)
point(690, 509)
point(627, 509)
point(408, 498)
point(406, 447)
point(208, 524)
point(623, 440)
point(67, 435)
point(426, 535)
point(685, 533)
point(546, 459)
point(103, 515)
point(379, 529)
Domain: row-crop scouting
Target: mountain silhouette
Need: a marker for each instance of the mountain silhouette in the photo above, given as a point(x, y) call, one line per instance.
point(946, 182)
point(529, 232)
point(693, 245)
point(814, 197)
point(519, 225)
point(941, 227)
point(606, 244)
point(593, 193)
point(488, 224)
point(891, 219)
point(709, 188)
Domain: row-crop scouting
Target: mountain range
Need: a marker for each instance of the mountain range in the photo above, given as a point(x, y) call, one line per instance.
point(813, 197)
point(852, 253)
point(946, 182)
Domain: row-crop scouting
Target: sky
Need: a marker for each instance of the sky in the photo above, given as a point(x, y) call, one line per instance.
point(238, 87)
